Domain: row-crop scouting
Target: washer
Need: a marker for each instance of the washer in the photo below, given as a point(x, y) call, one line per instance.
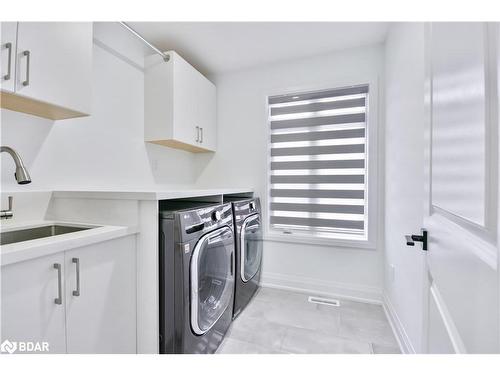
point(248, 250)
point(196, 274)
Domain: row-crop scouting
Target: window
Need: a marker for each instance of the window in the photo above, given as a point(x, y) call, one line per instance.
point(318, 163)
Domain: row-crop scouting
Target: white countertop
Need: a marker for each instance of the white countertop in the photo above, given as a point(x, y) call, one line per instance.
point(20, 251)
point(147, 193)
point(31, 205)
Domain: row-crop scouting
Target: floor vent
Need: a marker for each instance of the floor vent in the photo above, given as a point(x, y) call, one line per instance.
point(324, 301)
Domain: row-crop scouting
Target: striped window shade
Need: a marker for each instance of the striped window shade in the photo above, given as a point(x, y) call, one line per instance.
point(318, 162)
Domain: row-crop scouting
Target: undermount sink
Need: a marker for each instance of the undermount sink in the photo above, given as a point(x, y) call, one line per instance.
point(22, 235)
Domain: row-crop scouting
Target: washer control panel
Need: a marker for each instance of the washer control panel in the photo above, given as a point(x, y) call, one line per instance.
point(216, 215)
point(204, 219)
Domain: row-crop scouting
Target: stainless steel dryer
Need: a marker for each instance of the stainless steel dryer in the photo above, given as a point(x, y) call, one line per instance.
point(248, 246)
point(196, 273)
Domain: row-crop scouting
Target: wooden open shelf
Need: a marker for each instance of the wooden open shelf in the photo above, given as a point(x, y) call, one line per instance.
point(37, 108)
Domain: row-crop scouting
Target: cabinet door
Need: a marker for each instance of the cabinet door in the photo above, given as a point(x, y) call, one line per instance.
point(207, 108)
point(101, 312)
point(185, 121)
point(8, 56)
point(54, 63)
point(29, 310)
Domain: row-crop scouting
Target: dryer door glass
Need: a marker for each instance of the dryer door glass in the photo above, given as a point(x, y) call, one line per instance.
point(212, 279)
point(251, 247)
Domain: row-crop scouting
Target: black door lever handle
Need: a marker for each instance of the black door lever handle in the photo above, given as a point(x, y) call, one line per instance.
point(411, 239)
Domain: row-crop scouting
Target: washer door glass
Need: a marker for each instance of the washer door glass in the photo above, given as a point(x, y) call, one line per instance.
point(251, 247)
point(212, 279)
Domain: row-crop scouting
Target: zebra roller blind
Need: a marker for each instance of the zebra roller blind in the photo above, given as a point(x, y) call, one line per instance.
point(318, 162)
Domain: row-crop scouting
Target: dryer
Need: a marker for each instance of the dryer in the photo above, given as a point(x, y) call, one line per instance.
point(248, 250)
point(196, 274)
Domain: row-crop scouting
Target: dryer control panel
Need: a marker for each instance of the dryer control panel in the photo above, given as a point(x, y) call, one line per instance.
point(244, 208)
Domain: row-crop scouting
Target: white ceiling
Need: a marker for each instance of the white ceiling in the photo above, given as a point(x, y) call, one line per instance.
point(219, 47)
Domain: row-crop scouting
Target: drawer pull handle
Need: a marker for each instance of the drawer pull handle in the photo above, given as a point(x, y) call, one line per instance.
point(58, 300)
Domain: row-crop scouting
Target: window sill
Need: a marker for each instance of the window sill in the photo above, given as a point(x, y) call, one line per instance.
point(318, 241)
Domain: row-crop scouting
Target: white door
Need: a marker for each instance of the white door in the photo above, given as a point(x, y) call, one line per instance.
point(32, 302)
point(8, 56)
point(462, 188)
point(101, 297)
point(54, 63)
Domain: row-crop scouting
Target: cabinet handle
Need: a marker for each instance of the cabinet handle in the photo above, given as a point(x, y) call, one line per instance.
point(27, 81)
point(76, 292)
point(201, 131)
point(9, 63)
point(197, 134)
point(58, 300)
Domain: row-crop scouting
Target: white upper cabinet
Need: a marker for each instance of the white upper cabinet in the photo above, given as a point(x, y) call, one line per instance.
point(179, 104)
point(207, 113)
point(8, 55)
point(53, 69)
point(59, 65)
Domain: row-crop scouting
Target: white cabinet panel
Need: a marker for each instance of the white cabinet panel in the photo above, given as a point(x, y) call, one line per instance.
point(29, 311)
point(101, 318)
point(186, 101)
point(207, 113)
point(59, 55)
point(459, 128)
point(8, 56)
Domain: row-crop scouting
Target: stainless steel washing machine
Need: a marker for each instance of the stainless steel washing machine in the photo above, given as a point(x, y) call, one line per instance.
point(196, 274)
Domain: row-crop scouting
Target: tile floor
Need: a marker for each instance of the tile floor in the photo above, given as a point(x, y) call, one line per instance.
point(278, 321)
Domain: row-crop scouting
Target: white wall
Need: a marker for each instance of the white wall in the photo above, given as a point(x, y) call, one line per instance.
point(404, 175)
point(241, 159)
point(106, 149)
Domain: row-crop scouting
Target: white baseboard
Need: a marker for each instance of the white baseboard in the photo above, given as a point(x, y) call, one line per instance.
point(397, 326)
point(360, 293)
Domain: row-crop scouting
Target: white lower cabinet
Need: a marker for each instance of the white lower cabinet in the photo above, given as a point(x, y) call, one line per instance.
point(97, 313)
point(29, 312)
point(101, 312)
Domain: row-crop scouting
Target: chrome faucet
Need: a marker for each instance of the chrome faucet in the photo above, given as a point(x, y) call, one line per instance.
point(22, 176)
point(7, 214)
